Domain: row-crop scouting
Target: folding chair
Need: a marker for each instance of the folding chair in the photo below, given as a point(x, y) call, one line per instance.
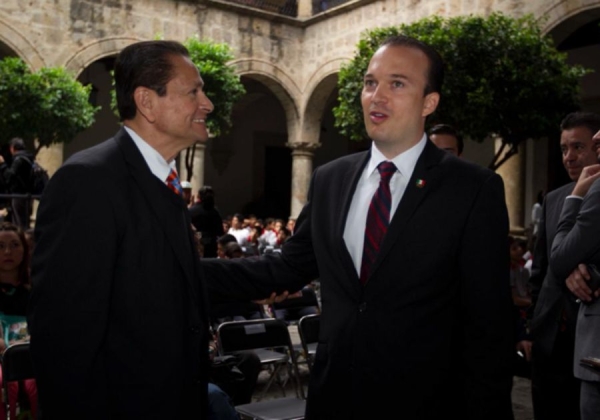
point(269, 339)
point(16, 366)
point(308, 329)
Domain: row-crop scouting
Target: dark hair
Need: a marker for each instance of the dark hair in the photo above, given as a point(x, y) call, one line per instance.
point(145, 64)
point(24, 266)
point(239, 216)
point(435, 72)
point(225, 239)
point(449, 130)
point(207, 197)
point(17, 143)
point(589, 120)
point(233, 250)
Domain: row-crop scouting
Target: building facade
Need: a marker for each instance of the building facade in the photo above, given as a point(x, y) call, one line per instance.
point(288, 55)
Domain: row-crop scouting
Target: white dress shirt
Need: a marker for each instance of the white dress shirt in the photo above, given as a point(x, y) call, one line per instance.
point(354, 231)
point(157, 164)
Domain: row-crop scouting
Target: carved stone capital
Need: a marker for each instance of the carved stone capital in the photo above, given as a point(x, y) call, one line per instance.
point(303, 148)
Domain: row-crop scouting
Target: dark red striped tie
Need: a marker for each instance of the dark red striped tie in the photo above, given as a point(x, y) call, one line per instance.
point(378, 219)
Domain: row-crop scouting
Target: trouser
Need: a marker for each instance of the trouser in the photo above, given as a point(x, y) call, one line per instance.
point(554, 388)
point(590, 400)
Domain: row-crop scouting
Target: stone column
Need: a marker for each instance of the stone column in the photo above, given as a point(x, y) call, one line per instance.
point(513, 173)
point(49, 158)
point(302, 154)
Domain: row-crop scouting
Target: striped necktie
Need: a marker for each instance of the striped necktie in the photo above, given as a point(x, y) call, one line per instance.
point(378, 219)
point(173, 183)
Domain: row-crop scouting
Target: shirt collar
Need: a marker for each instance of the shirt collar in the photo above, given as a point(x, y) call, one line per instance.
point(405, 162)
point(157, 164)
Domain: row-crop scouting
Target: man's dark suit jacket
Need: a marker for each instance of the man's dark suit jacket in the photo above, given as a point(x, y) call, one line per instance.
point(549, 294)
point(117, 315)
point(577, 241)
point(430, 335)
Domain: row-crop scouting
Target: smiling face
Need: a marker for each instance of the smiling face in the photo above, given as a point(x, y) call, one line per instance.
point(393, 98)
point(11, 251)
point(180, 115)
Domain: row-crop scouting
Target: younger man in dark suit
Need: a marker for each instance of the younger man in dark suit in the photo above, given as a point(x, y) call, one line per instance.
point(409, 244)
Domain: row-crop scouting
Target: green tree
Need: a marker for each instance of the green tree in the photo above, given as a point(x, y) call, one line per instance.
point(49, 105)
point(222, 86)
point(503, 78)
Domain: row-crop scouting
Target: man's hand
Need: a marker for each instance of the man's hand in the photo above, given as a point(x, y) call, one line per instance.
point(274, 298)
point(1, 159)
point(577, 282)
point(586, 179)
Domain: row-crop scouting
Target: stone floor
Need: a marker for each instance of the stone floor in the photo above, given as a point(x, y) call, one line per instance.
point(521, 394)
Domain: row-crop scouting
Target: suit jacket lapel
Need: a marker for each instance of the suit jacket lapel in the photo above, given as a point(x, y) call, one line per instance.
point(166, 206)
point(349, 181)
point(421, 182)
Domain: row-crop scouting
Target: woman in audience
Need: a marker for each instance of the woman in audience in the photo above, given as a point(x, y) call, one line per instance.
point(14, 295)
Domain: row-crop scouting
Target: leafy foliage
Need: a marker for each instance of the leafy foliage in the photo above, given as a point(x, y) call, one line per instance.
point(222, 86)
point(48, 105)
point(503, 78)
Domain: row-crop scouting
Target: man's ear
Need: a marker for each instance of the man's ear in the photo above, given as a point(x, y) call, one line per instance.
point(145, 102)
point(430, 104)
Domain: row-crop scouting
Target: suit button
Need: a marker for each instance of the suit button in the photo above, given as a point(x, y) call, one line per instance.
point(362, 307)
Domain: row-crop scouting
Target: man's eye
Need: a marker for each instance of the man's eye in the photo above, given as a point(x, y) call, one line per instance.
point(397, 84)
point(369, 83)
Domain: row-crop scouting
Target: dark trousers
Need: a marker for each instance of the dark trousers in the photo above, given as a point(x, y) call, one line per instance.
point(554, 389)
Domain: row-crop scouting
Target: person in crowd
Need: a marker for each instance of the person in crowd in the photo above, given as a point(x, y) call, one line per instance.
point(238, 230)
point(553, 313)
point(186, 187)
point(447, 138)
point(222, 243)
point(575, 257)
point(207, 220)
point(17, 176)
point(291, 224)
point(116, 267)
point(416, 305)
point(269, 236)
point(14, 296)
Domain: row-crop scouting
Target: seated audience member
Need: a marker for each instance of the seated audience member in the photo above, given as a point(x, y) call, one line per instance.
point(282, 236)
point(291, 224)
point(220, 406)
point(233, 250)
point(238, 230)
point(269, 236)
point(297, 305)
point(222, 242)
point(14, 296)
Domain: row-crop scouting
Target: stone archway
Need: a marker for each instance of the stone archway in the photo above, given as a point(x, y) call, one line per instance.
point(94, 51)
point(21, 46)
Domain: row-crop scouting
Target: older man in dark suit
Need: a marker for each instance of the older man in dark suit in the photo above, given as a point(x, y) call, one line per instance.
point(118, 311)
point(409, 243)
point(555, 390)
